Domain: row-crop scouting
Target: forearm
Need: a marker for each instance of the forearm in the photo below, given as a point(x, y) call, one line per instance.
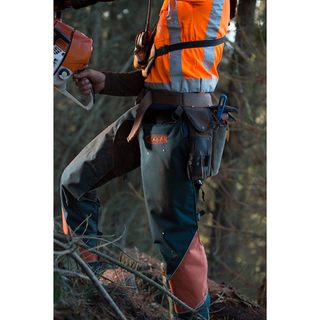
point(75, 4)
point(123, 84)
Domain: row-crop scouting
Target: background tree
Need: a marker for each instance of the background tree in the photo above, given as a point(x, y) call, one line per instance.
point(233, 230)
point(236, 234)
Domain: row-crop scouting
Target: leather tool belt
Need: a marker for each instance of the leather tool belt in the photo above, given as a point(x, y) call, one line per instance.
point(167, 97)
point(206, 132)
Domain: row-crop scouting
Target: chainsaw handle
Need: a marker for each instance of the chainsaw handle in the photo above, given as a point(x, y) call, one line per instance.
point(92, 98)
point(88, 106)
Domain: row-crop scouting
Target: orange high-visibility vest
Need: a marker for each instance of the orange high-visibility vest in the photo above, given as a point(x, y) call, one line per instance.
point(192, 69)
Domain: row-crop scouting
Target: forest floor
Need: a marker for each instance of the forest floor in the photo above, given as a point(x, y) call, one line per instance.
point(76, 297)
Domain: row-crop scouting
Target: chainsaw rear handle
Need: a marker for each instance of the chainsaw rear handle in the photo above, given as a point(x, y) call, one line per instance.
point(92, 97)
point(60, 83)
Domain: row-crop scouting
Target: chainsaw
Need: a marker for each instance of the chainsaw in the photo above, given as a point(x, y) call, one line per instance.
point(71, 53)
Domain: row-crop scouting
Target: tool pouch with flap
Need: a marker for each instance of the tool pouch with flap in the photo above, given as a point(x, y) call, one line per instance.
point(206, 138)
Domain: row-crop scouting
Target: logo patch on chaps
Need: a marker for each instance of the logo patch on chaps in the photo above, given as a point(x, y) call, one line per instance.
point(157, 138)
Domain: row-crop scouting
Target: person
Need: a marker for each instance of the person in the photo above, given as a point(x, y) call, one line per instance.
point(154, 136)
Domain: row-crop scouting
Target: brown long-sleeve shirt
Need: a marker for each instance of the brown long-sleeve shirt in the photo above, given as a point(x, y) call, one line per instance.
point(123, 84)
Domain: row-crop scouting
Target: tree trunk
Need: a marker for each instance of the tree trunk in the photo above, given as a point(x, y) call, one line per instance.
point(244, 154)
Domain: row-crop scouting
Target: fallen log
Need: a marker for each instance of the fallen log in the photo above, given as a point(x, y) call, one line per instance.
point(226, 301)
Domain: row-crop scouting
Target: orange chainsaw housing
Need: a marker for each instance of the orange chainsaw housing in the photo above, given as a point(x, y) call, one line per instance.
point(76, 46)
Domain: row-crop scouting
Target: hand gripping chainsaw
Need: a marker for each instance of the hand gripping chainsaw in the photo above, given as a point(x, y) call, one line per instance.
point(71, 53)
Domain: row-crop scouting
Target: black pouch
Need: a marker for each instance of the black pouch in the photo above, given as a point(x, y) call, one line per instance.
point(206, 137)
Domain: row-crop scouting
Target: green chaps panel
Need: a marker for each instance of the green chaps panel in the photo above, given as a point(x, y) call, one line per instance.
point(171, 199)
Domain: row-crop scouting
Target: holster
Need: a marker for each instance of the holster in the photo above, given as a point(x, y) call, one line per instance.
point(143, 54)
point(206, 138)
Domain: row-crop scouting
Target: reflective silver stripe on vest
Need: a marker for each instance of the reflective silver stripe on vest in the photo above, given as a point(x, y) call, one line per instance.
point(212, 31)
point(175, 57)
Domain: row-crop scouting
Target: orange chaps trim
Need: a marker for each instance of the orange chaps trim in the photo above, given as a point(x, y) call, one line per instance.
point(85, 255)
point(65, 226)
point(189, 282)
